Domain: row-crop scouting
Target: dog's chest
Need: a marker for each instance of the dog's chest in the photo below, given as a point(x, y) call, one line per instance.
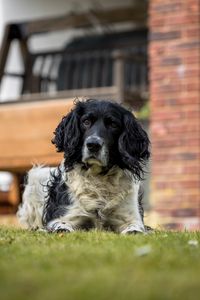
point(99, 194)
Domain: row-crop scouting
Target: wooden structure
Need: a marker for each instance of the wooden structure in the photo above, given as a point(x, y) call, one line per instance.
point(108, 64)
point(26, 130)
point(111, 65)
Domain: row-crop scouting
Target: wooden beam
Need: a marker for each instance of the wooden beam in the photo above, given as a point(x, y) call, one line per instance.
point(97, 92)
point(11, 32)
point(136, 13)
point(4, 50)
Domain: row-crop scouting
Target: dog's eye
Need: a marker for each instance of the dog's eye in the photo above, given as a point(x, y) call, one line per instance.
point(114, 125)
point(87, 123)
point(109, 122)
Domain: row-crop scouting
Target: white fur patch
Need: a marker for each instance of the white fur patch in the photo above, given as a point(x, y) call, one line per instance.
point(31, 210)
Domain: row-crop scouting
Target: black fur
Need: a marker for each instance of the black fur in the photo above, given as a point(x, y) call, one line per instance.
point(134, 146)
point(68, 138)
point(58, 198)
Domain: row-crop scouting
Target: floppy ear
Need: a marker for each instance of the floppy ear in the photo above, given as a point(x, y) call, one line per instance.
point(134, 146)
point(67, 138)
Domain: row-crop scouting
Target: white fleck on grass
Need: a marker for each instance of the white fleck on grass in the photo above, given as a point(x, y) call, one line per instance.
point(144, 250)
point(165, 235)
point(193, 243)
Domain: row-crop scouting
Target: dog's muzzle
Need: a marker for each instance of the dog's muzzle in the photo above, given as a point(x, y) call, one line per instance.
point(94, 151)
point(94, 144)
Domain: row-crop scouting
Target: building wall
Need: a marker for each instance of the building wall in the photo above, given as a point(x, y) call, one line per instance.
point(174, 55)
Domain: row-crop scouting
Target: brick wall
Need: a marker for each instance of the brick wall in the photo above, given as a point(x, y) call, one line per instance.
point(174, 55)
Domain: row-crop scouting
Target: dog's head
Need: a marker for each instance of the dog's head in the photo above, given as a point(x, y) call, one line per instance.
point(102, 133)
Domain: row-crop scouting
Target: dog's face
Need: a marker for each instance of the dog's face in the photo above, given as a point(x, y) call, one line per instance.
point(102, 133)
point(101, 126)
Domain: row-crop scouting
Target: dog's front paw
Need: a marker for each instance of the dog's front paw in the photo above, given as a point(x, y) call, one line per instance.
point(59, 226)
point(134, 229)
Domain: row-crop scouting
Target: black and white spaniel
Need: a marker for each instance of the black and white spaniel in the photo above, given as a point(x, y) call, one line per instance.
point(97, 184)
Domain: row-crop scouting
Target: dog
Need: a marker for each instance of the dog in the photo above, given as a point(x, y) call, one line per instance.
point(97, 185)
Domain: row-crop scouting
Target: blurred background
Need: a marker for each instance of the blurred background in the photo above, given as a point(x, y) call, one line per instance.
point(144, 54)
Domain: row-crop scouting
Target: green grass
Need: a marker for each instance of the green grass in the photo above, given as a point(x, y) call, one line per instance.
point(98, 265)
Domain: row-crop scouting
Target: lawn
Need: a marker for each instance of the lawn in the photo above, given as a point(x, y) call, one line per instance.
point(99, 265)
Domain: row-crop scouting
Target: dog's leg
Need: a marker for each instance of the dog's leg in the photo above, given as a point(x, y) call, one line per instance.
point(134, 226)
point(131, 214)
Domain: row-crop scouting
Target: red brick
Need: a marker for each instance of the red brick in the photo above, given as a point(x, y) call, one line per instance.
point(164, 35)
point(175, 169)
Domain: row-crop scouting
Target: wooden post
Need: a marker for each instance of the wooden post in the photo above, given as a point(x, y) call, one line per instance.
point(118, 76)
point(4, 50)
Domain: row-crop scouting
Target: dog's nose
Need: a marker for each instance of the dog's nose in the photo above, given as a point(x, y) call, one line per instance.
point(94, 144)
